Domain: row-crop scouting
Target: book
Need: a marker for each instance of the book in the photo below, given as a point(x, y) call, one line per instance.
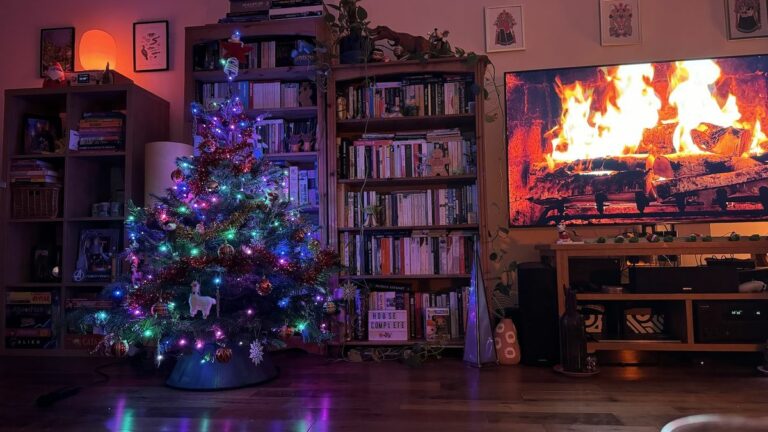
point(248, 6)
point(296, 12)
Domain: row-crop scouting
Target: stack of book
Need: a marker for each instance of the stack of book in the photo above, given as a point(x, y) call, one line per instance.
point(407, 253)
point(414, 208)
point(263, 54)
point(29, 319)
point(286, 9)
point(390, 311)
point(274, 95)
point(301, 187)
point(101, 131)
point(247, 11)
point(413, 154)
point(34, 172)
point(76, 336)
point(427, 95)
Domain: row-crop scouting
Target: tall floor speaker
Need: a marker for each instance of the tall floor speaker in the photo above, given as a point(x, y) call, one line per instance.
point(538, 327)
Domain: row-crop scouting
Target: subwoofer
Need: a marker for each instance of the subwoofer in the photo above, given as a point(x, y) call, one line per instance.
point(538, 327)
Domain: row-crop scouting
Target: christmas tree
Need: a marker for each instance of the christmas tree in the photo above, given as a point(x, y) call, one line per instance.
point(224, 257)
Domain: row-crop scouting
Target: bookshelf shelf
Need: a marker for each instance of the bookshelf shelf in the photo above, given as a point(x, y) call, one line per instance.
point(399, 124)
point(404, 277)
point(669, 346)
point(410, 181)
point(298, 121)
point(87, 177)
point(434, 344)
point(411, 228)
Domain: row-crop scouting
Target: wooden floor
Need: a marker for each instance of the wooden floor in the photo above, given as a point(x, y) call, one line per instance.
point(317, 394)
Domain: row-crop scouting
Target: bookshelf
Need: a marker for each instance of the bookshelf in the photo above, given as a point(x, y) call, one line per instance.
point(258, 73)
point(38, 306)
point(382, 127)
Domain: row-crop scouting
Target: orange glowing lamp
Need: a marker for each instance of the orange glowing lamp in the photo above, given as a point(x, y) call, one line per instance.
point(97, 49)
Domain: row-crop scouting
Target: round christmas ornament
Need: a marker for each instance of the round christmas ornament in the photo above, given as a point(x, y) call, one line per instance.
point(212, 186)
point(226, 250)
point(314, 245)
point(208, 146)
point(265, 287)
point(159, 309)
point(223, 355)
point(330, 307)
point(298, 235)
point(177, 175)
point(200, 228)
point(119, 349)
point(285, 332)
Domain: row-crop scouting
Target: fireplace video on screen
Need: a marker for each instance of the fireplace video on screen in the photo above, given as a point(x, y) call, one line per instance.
point(639, 143)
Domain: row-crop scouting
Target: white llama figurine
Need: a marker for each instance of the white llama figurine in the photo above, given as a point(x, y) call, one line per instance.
point(198, 302)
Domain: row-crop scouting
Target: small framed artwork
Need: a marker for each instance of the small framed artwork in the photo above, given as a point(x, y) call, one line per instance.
point(150, 46)
point(504, 30)
point(39, 135)
point(619, 22)
point(57, 45)
point(95, 255)
point(747, 18)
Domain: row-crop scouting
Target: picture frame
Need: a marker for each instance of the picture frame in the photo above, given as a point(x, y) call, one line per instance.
point(57, 45)
point(504, 28)
point(150, 46)
point(746, 19)
point(97, 255)
point(41, 134)
point(620, 22)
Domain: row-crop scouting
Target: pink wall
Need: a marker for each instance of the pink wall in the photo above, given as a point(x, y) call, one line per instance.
point(558, 33)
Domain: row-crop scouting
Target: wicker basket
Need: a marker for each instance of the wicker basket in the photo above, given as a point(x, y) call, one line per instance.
point(35, 202)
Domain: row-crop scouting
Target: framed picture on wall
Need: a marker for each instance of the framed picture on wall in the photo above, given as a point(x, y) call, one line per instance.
point(746, 18)
point(504, 30)
point(150, 46)
point(57, 45)
point(619, 22)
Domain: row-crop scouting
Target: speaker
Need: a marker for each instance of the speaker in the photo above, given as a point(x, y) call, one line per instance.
point(731, 321)
point(703, 279)
point(538, 327)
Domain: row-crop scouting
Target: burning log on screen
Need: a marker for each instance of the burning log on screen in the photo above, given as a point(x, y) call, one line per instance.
point(688, 185)
point(721, 140)
point(689, 165)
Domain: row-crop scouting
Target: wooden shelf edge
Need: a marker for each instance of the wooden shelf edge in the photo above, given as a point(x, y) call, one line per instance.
point(411, 228)
point(671, 346)
point(408, 181)
point(385, 277)
point(450, 344)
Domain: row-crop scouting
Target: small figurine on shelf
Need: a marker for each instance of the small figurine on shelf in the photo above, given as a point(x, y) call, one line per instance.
point(55, 77)
point(306, 94)
point(107, 77)
point(234, 47)
point(562, 234)
point(304, 54)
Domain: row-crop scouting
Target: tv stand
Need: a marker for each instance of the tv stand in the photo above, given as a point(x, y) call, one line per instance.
point(684, 320)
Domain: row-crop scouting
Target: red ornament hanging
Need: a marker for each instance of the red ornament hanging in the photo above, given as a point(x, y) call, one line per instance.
point(226, 250)
point(159, 309)
point(265, 287)
point(119, 349)
point(223, 355)
point(285, 332)
point(208, 146)
point(177, 175)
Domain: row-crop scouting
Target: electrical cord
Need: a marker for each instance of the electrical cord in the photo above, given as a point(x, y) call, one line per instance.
point(49, 399)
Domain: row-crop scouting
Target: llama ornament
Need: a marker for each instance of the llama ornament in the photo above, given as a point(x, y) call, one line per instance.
point(198, 302)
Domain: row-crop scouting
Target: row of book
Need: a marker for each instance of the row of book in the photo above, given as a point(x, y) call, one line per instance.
point(405, 315)
point(406, 155)
point(278, 135)
point(263, 54)
point(29, 318)
point(254, 95)
point(426, 95)
point(101, 131)
point(413, 208)
point(407, 253)
point(34, 172)
point(261, 10)
point(301, 187)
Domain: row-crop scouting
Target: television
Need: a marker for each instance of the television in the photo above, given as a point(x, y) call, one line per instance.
point(663, 142)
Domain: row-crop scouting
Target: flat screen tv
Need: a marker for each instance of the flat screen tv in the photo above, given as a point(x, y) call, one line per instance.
point(639, 143)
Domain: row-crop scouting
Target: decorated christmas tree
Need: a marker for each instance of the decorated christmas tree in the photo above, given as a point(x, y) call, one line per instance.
point(224, 259)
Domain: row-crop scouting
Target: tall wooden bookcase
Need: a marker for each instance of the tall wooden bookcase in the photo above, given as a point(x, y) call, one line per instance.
point(87, 177)
point(340, 127)
point(306, 28)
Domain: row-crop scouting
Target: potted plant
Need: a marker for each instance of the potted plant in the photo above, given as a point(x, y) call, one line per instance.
point(351, 31)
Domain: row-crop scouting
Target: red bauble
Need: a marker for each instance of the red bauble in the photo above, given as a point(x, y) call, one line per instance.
point(177, 175)
point(119, 349)
point(223, 355)
point(265, 287)
point(208, 146)
point(159, 309)
point(285, 332)
point(226, 250)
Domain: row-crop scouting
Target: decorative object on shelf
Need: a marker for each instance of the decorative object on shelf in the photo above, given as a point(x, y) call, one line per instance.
point(619, 22)
point(351, 27)
point(150, 46)
point(653, 238)
point(199, 303)
point(404, 45)
point(306, 94)
point(55, 77)
point(438, 44)
point(371, 216)
point(303, 54)
point(107, 77)
point(504, 30)
point(754, 237)
point(746, 18)
point(341, 108)
point(234, 47)
point(96, 255)
point(692, 238)
point(562, 234)
point(669, 239)
point(378, 56)
point(231, 68)
point(706, 238)
point(97, 50)
point(600, 240)
point(573, 339)
point(46, 263)
point(438, 163)
point(57, 45)
point(479, 346)
point(619, 239)
point(223, 355)
point(752, 286)
point(40, 134)
point(507, 345)
point(734, 237)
